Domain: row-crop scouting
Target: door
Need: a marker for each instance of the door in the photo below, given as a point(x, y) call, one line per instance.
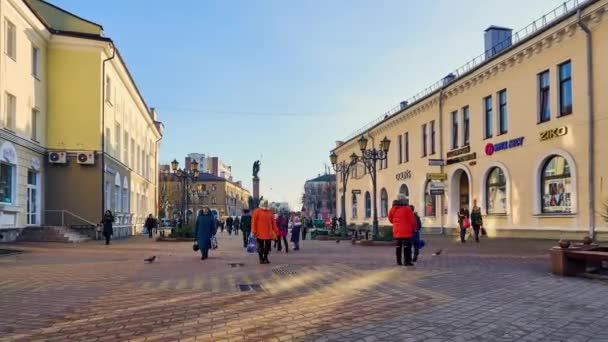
point(33, 208)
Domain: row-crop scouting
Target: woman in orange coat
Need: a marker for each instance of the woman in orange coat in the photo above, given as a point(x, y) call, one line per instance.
point(404, 225)
point(264, 228)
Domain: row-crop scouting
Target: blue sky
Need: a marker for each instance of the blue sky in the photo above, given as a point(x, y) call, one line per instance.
point(280, 81)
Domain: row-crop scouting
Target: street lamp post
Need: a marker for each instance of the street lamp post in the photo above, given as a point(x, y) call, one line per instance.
point(343, 168)
point(185, 176)
point(370, 157)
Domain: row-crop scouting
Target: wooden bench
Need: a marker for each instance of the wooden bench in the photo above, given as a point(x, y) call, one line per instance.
point(575, 260)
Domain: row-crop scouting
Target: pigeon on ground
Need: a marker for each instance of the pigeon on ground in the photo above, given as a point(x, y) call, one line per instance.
point(437, 253)
point(337, 240)
point(150, 259)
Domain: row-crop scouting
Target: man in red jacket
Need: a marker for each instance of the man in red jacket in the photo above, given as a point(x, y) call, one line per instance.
point(404, 225)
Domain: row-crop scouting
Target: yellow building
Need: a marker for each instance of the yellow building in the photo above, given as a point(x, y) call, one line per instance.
point(518, 129)
point(84, 133)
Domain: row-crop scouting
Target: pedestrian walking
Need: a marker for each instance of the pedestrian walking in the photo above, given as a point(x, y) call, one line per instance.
point(246, 226)
point(237, 224)
point(463, 222)
point(221, 224)
point(98, 231)
point(149, 225)
point(107, 221)
point(305, 226)
point(404, 225)
point(264, 227)
point(206, 228)
point(416, 238)
point(476, 220)
point(229, 224)
point(296, 226)
point(283, 226)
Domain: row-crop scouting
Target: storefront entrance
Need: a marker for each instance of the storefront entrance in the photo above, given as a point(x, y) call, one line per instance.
point(464, 191)
point(33, 209)
point(459, 193)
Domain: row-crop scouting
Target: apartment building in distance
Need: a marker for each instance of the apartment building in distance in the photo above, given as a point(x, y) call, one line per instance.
point(516, 130)
point(76, 135)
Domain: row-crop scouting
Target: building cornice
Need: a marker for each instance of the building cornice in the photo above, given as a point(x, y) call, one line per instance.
point(17, 140)
point(32, 19)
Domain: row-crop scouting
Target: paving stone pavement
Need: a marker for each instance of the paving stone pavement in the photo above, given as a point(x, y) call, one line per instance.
point(499, 290)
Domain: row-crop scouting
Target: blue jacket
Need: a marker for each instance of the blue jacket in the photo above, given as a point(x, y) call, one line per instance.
point(206, 227)
point(416, 236)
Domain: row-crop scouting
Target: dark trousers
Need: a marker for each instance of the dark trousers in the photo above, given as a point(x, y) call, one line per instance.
point(150, 232)
point(476, 229)
point(204, 252)
point(304, 232)
point(264, 249)
point(284, 238)
point(463, 234)
point(107, 236)
point(245, 238)
point(229, 230)
point(404, 247)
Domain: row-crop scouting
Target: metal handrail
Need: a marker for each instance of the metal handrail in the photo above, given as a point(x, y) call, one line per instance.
point(566, 8)
point(63, 212)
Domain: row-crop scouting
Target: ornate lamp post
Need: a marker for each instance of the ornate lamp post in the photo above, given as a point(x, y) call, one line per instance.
point(186, 176)
point(343, 168)
point(370, 157)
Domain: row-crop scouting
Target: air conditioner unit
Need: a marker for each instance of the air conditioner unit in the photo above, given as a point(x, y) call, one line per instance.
point(58, 157)
point(87, 158)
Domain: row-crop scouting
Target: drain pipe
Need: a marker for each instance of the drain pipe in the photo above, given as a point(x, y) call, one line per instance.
point(103, 128)
point(443, 201)
point(591, 167)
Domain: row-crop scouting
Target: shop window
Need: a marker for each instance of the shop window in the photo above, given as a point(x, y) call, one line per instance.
point(383, 203)
point(430, 208)
point(354, 205)
point(368, 205)
point(7, 183)
point(496, 192)
point(556, 186)
point(565, 88)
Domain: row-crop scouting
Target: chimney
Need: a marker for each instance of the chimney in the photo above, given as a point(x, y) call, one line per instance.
point(403, 105)
point(496, 39)
point(448, 79)
point(153, 114)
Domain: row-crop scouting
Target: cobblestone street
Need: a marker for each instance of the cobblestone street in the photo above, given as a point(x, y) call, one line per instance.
point(494, 291)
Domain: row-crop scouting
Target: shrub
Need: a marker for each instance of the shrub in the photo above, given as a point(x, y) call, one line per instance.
point(184, 232)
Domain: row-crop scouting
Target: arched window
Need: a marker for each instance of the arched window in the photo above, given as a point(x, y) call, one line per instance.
point(368, 205)
point(405, 191)
point(430, 209)
point(556, 186)
point(354, 205)
point(496, 192)
point(383, 203)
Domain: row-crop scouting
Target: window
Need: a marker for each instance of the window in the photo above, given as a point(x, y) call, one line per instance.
point(108, 89)
point(126, 147)
point(565, 88)
point(502, 112)
point(487, 105)
point(368, 205)
point(465, 126)
point(430, 209)
point(556, 186)
point(496, 192)
point(383, 203)
point(424, 140)
point(400, 140)
point(132, 154)
point(454, 129)
point(403, 190)
point(11, 111)
point(353, 204)
point(406, 137)
point(7, 185)
point(432, 128)
point(125, 196)
point(11, 40)
point(544, 112)
point(107, 193)
point(35, 62)
point(35, 124)
point(138, 166)
point(108, 141)
point(117, 198)
point(117, 135)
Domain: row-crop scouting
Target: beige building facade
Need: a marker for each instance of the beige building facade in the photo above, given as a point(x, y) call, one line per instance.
point(518, 130)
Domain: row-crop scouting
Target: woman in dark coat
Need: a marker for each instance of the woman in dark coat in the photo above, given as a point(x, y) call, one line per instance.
point(206, 227)
point(463, 215)
point(107, 221)
point(150, 224)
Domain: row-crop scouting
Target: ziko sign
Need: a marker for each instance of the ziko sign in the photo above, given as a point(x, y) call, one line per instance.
point(553, 133)
point(505, 145)
point(407, 174)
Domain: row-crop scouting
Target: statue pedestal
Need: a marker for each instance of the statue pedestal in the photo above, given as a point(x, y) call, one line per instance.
point(256, 187)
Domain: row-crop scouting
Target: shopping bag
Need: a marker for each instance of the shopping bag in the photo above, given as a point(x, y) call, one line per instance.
point(421, 244)
point(483, 232)
point(251, 245)
point(195, 247)
point(145, 231)
point(213, 242)
point(466, 223)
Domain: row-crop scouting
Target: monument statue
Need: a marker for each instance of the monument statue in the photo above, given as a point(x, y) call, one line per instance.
point(256, 168)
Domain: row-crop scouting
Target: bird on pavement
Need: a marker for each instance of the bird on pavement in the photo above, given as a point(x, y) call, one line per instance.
point(338, 241)
point(437, 253)
point(150, 259)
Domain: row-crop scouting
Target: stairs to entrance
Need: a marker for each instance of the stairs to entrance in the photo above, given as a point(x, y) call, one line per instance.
point(51, 234)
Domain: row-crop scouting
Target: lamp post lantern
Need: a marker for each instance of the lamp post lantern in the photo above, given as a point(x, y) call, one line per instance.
point(343, 168)
point(186, 176)
point(370, 158)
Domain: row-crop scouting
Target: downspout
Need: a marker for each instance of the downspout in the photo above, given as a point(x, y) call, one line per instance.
point(591, 150)
point(443, 201)
point(103, 129)
point(156, 176)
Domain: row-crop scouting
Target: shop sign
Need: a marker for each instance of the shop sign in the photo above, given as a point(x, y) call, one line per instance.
point(553, 133)
point(436, 192)
point(437, 176)
point(435, 185)
point(356, 192)
point(407, 174)
point(436, 162)
point(461, 159)
point(35, 164)
point(459, 151)
point(505, 145)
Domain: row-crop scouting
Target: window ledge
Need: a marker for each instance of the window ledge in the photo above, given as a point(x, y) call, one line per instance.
point(557, 215)
point(564, 115)
point(9, 207)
